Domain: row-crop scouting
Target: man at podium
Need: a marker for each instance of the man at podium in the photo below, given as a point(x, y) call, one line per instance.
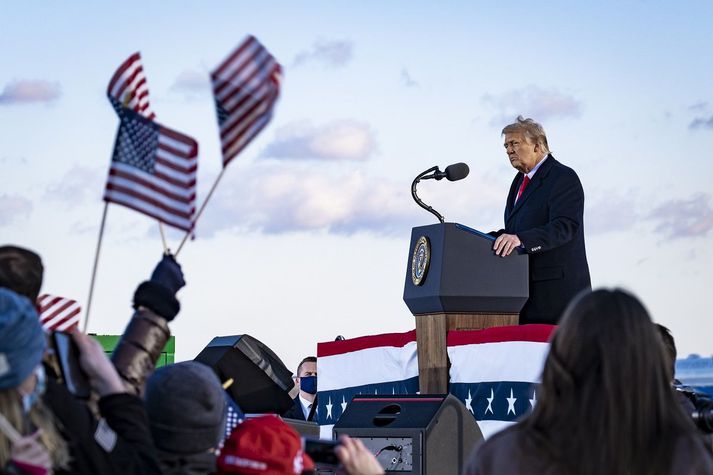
point(543, 218)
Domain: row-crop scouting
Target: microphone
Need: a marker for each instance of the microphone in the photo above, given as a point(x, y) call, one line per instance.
point(454, 172)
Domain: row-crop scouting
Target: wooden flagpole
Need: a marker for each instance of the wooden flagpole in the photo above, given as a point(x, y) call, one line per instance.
point(94, 271)
point(200, 211)
point(163, 238)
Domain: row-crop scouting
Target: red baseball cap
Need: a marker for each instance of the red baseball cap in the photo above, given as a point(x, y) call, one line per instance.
point(264, 445)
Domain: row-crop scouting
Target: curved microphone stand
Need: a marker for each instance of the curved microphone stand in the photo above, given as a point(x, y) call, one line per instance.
point(418, 200)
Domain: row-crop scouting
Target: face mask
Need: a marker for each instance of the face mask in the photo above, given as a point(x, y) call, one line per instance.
point(29, 400)
point(308, 384)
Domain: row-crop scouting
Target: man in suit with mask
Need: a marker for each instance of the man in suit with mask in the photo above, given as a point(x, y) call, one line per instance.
point(544, 217)
point(305, 405)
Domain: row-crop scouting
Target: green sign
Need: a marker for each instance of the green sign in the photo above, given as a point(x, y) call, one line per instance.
point(109, 342)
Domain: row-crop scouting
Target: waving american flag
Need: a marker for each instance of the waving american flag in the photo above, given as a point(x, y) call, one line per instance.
point(246, 86)
point(153, 168)
point(129, 89)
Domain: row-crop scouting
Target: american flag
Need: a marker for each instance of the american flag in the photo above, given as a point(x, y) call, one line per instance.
point(58, 313)
point(494, 371)
point(153, 170)
point(246, 86)
point(128, 88)
point(378, 364)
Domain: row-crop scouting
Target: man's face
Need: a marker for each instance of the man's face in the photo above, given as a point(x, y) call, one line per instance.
point(523, 154)
point(308, 369)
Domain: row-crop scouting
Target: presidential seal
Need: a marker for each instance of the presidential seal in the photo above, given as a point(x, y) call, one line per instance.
point(420, 260)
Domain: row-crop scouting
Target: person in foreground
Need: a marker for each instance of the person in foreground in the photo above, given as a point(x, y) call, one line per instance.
point(605, 404)
point(544, 217)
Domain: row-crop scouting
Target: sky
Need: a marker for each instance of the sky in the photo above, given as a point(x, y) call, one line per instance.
point(307, 234)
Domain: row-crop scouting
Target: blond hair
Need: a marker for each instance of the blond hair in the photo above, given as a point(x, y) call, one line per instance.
point(532, 131)
point(42, 418)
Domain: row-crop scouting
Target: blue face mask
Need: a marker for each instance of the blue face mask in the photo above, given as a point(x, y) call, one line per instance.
point(29, 400)
point(308, 384)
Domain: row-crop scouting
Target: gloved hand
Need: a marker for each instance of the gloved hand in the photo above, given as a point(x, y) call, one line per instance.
point(168, 274)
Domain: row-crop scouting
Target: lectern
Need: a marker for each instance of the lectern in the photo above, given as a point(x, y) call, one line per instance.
point(454, 281)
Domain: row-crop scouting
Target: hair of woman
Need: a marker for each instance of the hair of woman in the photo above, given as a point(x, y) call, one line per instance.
point(606, 404)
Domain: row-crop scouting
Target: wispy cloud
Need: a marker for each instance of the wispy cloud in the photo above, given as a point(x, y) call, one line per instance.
point(681, 218)
point(279, 198)
point(532, 101)
point(191, 82)
point(29, 91)
point(77, 186)
point(338, 140)
point(13, 207)
point(329, 53)
point(700, 106)
point(701, 123)
point(407, 80)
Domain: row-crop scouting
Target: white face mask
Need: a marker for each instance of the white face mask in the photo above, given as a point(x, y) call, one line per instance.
point(29, 400)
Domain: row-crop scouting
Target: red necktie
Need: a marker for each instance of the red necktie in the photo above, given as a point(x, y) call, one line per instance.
point(523, 185)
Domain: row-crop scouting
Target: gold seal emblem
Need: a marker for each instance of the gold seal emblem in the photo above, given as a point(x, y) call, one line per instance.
point(419, 260)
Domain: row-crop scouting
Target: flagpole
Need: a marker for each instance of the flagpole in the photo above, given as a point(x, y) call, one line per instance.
point(200, 211)
point(96, 262)
point(163, 238)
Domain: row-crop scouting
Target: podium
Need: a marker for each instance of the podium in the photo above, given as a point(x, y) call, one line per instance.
point(454, 281)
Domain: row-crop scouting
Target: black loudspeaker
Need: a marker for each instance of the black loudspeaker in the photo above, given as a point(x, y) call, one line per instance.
point(419, 434)
point(261, 381)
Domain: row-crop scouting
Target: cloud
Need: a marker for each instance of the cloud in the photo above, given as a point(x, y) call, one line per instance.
point(692, 217)
point(77, 186)
point(701, 123)
point(532, 101)
point(12, 207)
point(191, 82)
point(330, 53)
point(700, 106)
point(340, 140)
point(28, 91)
point(279, 198)
point(407, 80)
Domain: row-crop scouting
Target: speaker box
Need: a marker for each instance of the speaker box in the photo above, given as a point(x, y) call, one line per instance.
point(262, 382)
point(419, 434)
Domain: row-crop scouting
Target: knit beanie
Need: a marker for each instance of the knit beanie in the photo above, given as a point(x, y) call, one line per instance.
point(22, 341)
point(186, 406)
point(263, 445)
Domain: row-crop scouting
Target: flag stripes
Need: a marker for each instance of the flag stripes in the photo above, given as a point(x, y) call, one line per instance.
point(377, 364)
point(128, 87)
point(494, 372)
point(153, 171)
point(58, 313)
point(245, 86)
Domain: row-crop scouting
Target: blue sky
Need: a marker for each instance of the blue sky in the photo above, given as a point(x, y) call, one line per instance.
point(307, 234)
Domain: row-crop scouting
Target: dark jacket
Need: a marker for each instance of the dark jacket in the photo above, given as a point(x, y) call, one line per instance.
point(548, 220)
point(145, 335)
point(139, 348)
point(123, 421)
point(507, 452)
point(295, 412)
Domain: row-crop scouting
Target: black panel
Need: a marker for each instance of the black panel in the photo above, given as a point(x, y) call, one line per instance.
point(416, 434)
point(261, 380)
point(465, 275)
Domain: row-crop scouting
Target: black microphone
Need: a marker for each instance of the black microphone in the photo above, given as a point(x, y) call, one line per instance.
point(457, 171)
point(454, 172)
